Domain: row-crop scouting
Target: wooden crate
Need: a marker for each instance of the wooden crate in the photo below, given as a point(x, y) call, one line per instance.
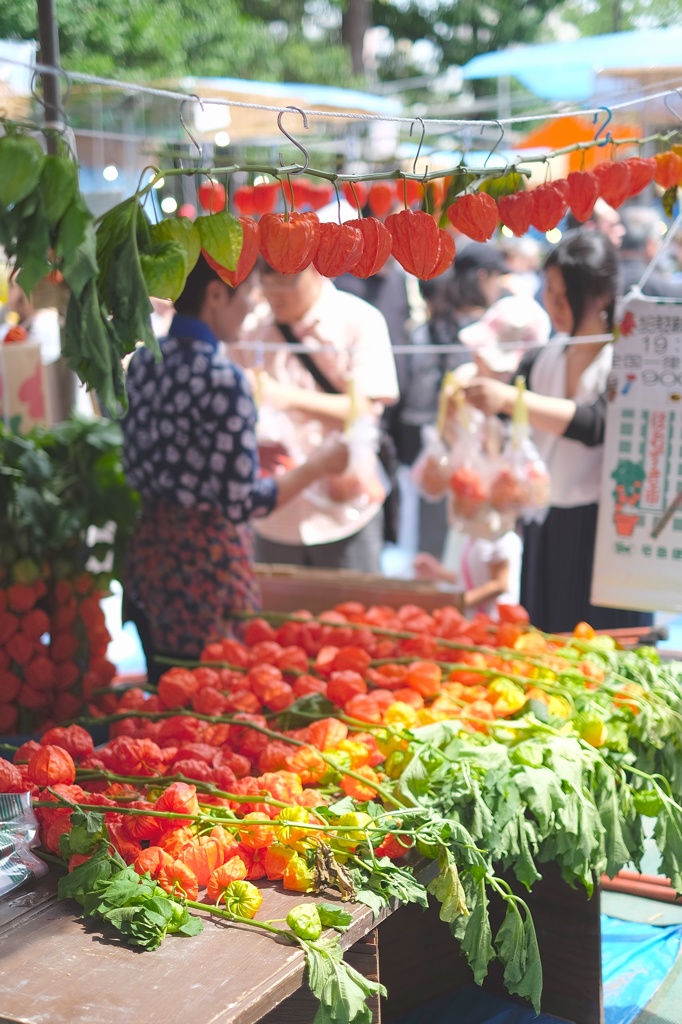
point(287, 588)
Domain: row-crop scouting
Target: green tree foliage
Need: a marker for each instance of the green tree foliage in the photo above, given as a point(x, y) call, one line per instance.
point(171, 38)
point(594, 17)
point(457, 29)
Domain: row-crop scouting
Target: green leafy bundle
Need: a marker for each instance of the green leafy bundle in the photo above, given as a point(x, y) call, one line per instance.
point(57, 483)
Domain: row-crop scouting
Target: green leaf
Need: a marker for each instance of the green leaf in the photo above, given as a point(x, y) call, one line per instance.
point(83, 879)
point(448, 890)
point(668, 199)
point(668, 836)
point(58, 186)
point(511, 946)
point(87, 831)
point(504, 185)
point(517, 948)
point(221, 236)
point(341, 990)
point(121, 285)
point(192, 926)
point(334, 917)
point(540, 789)
point(21, 163)
point(300, 713)
point(372, 899)
point(164, 267)
point(477, 943)
point(181, 230)
point(617, 852)
point(76, 246)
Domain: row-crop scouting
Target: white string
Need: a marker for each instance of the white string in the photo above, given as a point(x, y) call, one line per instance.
point(78, 76)
point(564, 342)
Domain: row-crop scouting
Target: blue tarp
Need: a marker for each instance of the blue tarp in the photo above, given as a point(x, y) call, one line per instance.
point(635, 960)
point(566, 71)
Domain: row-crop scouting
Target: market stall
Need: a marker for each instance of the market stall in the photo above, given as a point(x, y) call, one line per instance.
point(367, 746)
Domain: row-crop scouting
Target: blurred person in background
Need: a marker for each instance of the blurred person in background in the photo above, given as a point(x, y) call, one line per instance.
point(486, 569)
point(604, 219)
point(40, 315)
point(347, 341)
point(644, 232)
point(523, 259)
point(566, 404)
point(453, 300)
point(397, 297)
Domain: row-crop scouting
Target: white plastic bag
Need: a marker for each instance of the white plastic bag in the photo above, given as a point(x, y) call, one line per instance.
point(362, 484)
point(520, 486)
point(18, 835)
point(432, 468)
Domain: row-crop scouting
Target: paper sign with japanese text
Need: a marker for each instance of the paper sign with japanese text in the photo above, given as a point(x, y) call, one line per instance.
point(638, 553)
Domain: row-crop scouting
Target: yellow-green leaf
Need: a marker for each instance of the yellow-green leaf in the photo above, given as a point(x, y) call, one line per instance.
point(165, 269)
point(221, 236)
point(181, 230)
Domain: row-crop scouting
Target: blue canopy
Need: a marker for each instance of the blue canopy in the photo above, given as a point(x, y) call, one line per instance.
point(567, 71)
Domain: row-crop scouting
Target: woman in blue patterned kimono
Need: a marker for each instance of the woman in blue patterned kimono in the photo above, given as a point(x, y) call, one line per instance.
point(190, 450)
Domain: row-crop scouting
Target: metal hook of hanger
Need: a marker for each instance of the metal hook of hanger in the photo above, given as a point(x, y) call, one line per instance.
point(608, 137)
point(499, 140)
point(292, 140)
point(184, 124)
point(419, 147)
point(666, 100)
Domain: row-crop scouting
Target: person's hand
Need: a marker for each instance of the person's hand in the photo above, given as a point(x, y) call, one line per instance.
point(331, 458)
point(490, 396)
point(427, 567)
point(274, 457)
point(268, 391)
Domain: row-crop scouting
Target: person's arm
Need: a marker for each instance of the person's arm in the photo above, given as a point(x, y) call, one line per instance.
point(427, 567)
point(492, 397)
point(329, 459)
point(317, 404)
point(497, 584)
point(560, 416)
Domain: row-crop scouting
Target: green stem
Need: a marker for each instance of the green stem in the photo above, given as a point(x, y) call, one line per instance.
point(202, 787)
point(238, 919)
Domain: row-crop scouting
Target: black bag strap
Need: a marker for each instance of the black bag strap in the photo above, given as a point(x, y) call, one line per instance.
point(307, 360)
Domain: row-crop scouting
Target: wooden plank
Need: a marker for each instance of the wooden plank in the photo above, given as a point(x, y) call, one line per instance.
point(285, 588)
point(58, 969)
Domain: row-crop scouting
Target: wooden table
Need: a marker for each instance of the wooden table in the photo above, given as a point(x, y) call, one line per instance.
point(58, 969)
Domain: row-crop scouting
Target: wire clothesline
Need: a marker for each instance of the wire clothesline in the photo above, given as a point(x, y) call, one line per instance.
point(417, 349)
point(78, 76)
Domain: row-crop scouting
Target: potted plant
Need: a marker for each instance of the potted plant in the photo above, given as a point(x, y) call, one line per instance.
point(629, 479)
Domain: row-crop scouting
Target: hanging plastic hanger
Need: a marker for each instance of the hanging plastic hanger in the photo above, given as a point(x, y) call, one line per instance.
point(292, 140)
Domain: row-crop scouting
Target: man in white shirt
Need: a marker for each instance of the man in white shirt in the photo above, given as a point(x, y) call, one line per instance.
point(347, 340)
